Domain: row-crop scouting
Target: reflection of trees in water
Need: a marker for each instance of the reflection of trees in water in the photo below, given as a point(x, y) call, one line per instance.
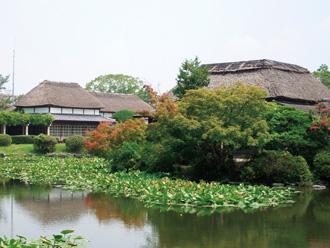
point(292, 226)
point(130, 212)
point(305, 224)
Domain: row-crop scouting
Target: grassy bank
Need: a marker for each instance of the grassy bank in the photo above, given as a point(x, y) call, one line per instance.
point(22, 149)
point(93, 174)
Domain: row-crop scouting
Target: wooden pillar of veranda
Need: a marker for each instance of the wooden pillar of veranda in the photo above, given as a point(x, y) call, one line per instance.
point(3, 129)
point(27, 129)
point(48, 129)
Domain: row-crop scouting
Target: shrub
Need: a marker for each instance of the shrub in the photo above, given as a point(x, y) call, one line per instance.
point(322, 165)
point(128, 156)
point(22, 139)
point(277, 167)
point(98, 141)
point(74, 143)
point(44, 144)
point(5, 140)
point(106, 137)
point(123, 115)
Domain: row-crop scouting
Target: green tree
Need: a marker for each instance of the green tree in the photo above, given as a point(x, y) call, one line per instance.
point(3, 81)
point(323, 74)
point(5, 101)
point(210, 126)
point(118, 83)
point(192, 75)
point(123, 115)
point(295, 131)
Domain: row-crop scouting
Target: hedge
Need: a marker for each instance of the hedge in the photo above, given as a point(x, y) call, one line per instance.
point(22, 139)
point(12, 118)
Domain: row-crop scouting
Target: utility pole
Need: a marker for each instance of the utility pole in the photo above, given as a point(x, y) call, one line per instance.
point(13, 77)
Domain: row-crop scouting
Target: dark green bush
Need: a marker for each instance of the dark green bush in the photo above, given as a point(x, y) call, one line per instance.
point(22, 139)
point(322, 165)
point(74, 143)
point(128, 156)
point(277, 167)
point(44, 144)
point(123, 115)
point(5, 140)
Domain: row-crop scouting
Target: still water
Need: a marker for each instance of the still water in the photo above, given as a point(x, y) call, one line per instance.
point(111, 222)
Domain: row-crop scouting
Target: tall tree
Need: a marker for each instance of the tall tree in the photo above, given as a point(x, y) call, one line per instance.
point(118, 83)
point(323, 74)
point(192, 75)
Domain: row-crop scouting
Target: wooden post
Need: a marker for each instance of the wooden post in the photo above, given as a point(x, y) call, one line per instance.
point(27, 129)
point(3, 129)
point(48, 130)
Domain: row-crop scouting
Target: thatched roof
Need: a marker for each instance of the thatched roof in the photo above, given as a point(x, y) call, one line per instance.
point(114, 102)
point(277, 78)
point(59, 94)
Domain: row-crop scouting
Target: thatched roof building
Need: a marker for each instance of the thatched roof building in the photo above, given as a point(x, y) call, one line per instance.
point(285, 83)
point(75, 110)
point(48, 93)
point(114, 102)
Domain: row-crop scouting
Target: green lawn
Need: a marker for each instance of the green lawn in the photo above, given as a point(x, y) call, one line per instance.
point(26, 148)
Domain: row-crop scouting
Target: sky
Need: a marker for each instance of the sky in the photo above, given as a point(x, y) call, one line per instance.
point(78, 40)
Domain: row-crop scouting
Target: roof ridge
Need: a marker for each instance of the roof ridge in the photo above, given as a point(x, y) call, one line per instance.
point(254, 65)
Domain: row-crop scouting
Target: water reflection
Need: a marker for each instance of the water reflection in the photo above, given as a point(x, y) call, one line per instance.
point(113, 222)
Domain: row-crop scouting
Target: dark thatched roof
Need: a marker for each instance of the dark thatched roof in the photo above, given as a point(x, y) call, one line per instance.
point(59, 94)
point(114, 102)
point(280, 80)
point(249, 65)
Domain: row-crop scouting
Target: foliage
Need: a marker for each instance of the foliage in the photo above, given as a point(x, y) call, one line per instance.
point(323, 74)
point(295, 131)
point(192, 75)
point(118, 83)
point(126, 157)
point(74, 143)
point(5, 140)
point(277, 167)
point(132, 130)
point(12, 118)
point(25, 149)
point(322, 165)
point(22, 139)
point(3, 81)
point(123, 115)
point(93, 174)
point(44, 144)
point(98, 142)
point(106, 137)
point(211, 125)
point(40, 119)
point(6, 102)
point(63, 240)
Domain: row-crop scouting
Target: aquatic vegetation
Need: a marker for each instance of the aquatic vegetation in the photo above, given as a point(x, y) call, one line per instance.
point(93, 174)
point(63, 240)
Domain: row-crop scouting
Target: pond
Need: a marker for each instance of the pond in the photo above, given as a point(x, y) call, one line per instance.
point(116, 222)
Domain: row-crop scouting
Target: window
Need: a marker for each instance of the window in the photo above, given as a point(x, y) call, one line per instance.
point(97, 112)
point(107, 115)
point(78, 111)
point(65, 130)
point(55, 110)
point(28, 110)
point(89, 111)
point(41, 110)
point(66, 110)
